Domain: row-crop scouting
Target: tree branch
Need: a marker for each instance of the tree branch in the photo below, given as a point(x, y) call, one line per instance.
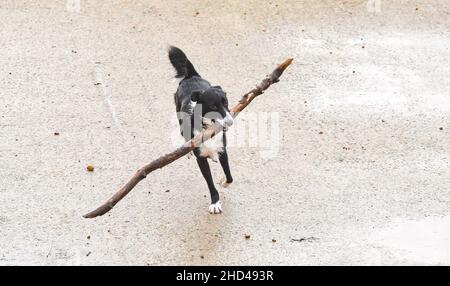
point(190, 145)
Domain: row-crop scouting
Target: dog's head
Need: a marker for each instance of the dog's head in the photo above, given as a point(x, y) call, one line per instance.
point(214, 105)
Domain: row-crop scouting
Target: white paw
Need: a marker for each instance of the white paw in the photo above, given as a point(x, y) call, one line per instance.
point(215, 208)
point(223, 182)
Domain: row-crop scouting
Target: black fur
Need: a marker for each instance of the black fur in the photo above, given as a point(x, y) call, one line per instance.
point(196, 99)
point(180, 62)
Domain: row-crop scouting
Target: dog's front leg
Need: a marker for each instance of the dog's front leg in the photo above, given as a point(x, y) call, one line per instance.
point(215, 206)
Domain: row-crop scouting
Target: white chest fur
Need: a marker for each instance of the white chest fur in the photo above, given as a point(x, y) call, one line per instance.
point(212, 147)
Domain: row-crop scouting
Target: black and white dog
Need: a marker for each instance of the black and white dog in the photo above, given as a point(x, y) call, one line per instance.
point(199, 104)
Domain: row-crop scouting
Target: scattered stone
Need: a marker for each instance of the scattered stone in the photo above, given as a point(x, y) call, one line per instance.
point(89, 253)
point(167, 191)
point(247, 236)
point(320, 132)
point(56, 133)
point(90, 168)
point(274, 240)
point(441, 128)
point(88, 237)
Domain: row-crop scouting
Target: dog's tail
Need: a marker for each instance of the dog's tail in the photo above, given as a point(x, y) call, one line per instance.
point(180, 62)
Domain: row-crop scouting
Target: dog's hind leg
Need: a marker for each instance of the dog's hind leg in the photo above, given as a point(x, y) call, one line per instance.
point(223, 158)
point(228, 179)
point(215, 206)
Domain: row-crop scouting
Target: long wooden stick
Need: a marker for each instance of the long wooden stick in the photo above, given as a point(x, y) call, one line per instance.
point(190, 145)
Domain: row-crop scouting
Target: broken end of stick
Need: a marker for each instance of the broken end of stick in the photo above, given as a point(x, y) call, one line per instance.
point(285, 64)
point(101, 210)
point(275, 75)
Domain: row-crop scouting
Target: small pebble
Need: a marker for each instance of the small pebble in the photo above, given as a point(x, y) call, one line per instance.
point(90, 168)
point(247, 236)
point(441, 128)
point(56, 133)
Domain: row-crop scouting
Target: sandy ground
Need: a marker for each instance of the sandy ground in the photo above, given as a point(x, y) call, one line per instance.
point(360, 176)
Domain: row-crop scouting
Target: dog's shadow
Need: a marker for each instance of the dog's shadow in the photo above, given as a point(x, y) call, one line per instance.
point(203, 239)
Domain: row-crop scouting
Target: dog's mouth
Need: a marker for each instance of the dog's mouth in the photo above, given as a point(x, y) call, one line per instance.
point(225, 122)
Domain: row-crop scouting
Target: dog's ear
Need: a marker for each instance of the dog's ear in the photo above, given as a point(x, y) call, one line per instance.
point(217, 86)
point(195, 95)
